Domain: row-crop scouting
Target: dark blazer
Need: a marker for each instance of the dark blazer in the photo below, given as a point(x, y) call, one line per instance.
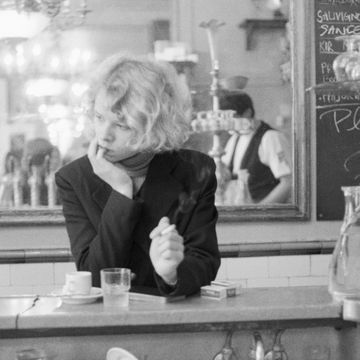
point(107, 229)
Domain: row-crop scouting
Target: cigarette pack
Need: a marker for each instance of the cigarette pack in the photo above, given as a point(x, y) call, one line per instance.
point(148, 294)
point(133, 296)
point(212, 291)
point(217, 292)
point(228, 285)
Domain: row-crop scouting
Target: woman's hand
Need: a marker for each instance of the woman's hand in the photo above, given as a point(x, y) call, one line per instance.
point(115, 176)
point(166, 251)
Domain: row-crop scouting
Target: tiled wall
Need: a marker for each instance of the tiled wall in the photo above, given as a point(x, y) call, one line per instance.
point(271, 271)
point(36, 278)
point(277, 271)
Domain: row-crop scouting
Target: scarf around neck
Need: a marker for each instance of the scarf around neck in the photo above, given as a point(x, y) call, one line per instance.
point(137, 165)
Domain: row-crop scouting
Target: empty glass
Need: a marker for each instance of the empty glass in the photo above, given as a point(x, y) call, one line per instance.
point(115, 283)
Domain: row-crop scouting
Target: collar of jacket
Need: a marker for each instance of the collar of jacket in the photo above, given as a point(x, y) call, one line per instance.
point(160, 189)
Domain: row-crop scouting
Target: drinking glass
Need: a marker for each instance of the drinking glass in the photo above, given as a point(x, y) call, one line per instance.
point(115, 283)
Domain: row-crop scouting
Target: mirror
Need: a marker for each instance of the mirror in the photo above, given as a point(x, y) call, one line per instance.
point(244, 48)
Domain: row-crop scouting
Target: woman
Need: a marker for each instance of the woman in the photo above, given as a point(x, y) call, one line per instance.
point(135, 181)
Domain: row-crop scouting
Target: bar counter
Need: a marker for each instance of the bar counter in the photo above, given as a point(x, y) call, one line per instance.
point(308, 312)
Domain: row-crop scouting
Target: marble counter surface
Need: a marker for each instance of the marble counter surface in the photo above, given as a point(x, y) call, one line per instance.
point(194, 328)
point(288, 304)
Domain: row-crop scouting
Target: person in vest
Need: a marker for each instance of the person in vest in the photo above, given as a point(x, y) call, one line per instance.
point(258, 148)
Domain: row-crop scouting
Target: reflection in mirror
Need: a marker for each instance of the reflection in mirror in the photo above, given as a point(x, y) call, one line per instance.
point(42, 79)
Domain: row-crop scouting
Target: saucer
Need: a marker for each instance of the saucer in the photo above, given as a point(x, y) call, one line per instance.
point(117, 353)
point(95, 293)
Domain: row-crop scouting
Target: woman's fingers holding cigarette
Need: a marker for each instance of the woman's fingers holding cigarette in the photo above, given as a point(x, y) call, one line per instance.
point(176, 257)
point(166, 253)
point(168, 229)
point(163, 224)
point(173, 243)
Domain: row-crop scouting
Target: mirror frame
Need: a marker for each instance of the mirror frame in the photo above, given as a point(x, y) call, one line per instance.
point(299, 209)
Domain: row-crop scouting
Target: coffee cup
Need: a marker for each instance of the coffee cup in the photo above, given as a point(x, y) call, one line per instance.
point(77, 283)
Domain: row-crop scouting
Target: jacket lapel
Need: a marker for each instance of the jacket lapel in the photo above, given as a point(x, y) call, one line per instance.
point(160, 194)
point(101, 192)
point(99, 189)
point(161, 189)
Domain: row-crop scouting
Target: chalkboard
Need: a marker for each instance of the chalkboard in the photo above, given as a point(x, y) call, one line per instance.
point(337, 110)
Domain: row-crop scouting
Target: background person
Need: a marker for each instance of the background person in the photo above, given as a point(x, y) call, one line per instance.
point(258, 148)
point(134, 181)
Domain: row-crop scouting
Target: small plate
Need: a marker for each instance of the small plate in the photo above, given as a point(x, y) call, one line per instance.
point(95, 293)
point(119, 354)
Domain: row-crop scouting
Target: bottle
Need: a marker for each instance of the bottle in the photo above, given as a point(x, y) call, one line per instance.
point(34, 182)
point(257, 351)
point(227, 352)
point(278, 351)
point(344, 269)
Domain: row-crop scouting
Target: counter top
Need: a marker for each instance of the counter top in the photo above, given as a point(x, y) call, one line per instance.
point(293, 306)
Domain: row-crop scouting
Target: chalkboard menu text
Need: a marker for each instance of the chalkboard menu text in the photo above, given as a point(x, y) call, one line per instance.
point(337, 110)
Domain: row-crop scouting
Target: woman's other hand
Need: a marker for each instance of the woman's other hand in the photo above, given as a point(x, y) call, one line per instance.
point(114, 175)
point(166, 251)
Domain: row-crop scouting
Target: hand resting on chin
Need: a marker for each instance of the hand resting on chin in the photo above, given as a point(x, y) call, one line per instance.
point(114, 175)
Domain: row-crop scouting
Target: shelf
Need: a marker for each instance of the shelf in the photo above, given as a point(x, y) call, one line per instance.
point(250, 25)
point(349, 85)
point(182, 66)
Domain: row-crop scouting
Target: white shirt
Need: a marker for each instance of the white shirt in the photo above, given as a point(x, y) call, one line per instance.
point(274, 151)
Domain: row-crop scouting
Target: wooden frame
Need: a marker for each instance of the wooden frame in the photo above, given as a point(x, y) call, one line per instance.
point(300, 208)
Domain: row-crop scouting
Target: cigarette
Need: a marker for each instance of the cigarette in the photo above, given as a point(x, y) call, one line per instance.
point(168, 229)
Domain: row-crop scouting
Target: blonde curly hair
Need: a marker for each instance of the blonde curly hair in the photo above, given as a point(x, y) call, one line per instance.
point(151, 96)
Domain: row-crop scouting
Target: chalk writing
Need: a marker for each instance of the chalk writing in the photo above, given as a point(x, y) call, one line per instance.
point(337, 108)
point(340, 2)
point(337, 98)
point(348, 164)
point(326, 68)
point(328, 78)
point(339, 30)
point(337, 16)
point(326, 46)
point(343, 119)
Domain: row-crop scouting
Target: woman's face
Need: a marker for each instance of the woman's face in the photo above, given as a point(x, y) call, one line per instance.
point(111, 130)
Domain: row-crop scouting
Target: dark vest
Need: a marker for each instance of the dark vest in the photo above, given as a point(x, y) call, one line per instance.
point(261, 179)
